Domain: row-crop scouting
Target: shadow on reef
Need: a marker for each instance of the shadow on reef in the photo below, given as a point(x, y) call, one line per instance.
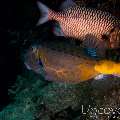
point(65, 114)
point(9, 62)
point(14, 18)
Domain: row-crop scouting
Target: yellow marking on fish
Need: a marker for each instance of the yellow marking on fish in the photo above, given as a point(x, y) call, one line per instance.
point(81, 72)
point(85, 72)
point(108, 67)
point(59, 72)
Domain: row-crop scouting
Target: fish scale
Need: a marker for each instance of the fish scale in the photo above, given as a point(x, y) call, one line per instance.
point(80, 21)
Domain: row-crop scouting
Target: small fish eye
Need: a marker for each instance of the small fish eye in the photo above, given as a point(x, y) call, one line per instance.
point(39, 62)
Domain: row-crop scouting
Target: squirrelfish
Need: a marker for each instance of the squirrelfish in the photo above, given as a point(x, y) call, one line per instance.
point(86, 24)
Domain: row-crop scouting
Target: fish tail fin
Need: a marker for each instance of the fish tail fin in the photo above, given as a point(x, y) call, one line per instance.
point(44, 10)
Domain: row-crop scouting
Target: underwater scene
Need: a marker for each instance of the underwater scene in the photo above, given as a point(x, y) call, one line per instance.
point(60, 60)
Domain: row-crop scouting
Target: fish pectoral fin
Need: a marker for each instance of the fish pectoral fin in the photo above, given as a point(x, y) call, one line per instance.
point(57, 30)
point(101, 77)
point(94, 46)
point(90, 40)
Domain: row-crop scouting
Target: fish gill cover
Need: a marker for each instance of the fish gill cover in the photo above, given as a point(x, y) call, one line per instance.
point(33, 98)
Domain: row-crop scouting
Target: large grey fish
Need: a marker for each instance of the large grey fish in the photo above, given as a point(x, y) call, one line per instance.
point(86, 24)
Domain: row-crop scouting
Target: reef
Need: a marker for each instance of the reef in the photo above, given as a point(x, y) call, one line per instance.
point(33, 98)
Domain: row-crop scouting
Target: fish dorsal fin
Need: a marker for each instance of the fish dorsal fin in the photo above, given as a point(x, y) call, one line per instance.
point(67, 4)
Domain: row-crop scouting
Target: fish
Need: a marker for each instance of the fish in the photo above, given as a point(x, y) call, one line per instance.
point(59, 65)
point(93, 27)
point(108, 67)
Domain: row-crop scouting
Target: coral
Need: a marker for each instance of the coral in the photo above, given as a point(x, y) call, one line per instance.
point(37, 99)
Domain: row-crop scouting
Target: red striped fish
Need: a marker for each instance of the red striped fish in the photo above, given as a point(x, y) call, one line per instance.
point(81, 22)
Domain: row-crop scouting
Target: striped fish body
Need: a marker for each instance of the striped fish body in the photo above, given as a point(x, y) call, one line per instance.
point(92, 27)
point(80, 21)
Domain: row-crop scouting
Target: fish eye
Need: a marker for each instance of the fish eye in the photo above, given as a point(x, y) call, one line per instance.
point(39, 62)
